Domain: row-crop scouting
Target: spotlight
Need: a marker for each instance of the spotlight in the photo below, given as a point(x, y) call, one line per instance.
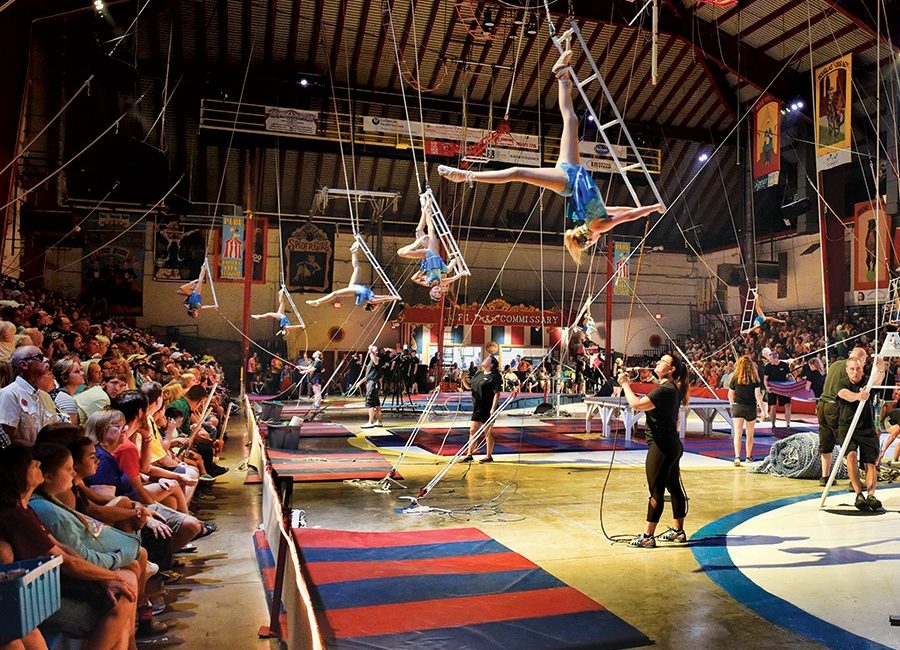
point(337, 304)
point(488, 19)
point(703, 157)
point(304, 82)
point(99, 6)
point(590, 117)
point(799, 104)
point(531, 29)
point(517, 21)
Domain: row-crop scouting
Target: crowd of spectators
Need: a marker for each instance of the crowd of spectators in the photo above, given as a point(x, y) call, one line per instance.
point(799, 341)
point(108, 441)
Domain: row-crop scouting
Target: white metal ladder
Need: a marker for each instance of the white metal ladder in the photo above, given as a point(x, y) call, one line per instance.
point(448, 241)
point(749, 315)
point(891, 313)
point(290, 302)
point(602, 127)
point(391, 289)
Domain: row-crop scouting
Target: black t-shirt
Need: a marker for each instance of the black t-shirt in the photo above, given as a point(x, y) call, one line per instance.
point(744, 394)
point(373, 372)
point(815, 378)
point(662, 420)
point(315, 376)
point(777, 372)
point(846, 410)
point(484, 388)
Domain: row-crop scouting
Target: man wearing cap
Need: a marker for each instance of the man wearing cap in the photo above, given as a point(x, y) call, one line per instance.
point(777, 370)
point(827, 409)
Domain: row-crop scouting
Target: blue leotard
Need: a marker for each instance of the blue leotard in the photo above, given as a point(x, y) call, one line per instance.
point(193, 301)
point(363, 294)
point(585, 204)
point(433, 267)
point(759, 321)
point(284, 322)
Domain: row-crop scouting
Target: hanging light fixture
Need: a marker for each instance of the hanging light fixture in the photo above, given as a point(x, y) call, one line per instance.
point(488, 20)
point(517, 21)
point(531, 29)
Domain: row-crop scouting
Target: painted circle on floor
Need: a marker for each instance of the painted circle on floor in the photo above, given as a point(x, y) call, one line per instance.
point(831, 578)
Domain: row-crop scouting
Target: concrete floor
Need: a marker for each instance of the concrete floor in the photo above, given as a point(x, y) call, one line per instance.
point(219, 601)
point(551, 515)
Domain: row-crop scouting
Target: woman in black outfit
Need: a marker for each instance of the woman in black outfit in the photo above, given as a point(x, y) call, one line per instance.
point(486, 386)
point(664, 447)
point(745, 396)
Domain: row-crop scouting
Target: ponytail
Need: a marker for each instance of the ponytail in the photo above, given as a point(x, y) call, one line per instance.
point(574, 242)
point(680, 377)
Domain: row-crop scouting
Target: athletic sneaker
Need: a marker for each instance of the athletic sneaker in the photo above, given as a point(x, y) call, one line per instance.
point(643, 541)
point(673, 535)
point(823, 481)
point(861, 503)
point(737, 461)
point(153, 568)
point(206, 478)
point(873, 503)
point(368, 425)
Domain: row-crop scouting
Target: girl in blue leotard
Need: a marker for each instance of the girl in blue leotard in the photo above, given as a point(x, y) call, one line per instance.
point(193, 291)
point(433, 272)
point(361, 293)
point(591, 217)
point(284, 321)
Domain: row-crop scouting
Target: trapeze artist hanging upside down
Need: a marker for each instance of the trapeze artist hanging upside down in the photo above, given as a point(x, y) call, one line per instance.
point(193, 303)
point(363, 294)
point(284, 321)
point(433, 272)
point(569, 178)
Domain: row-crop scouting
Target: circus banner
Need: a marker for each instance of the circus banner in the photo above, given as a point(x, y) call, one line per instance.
point(766, 144)
point(833, 103)
point(231, 261)
point(308, 256)
point(178, 250)
point(113, 266)
point(871, 246)
point(621, 280)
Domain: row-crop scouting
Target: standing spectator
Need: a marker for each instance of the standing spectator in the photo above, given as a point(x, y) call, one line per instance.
point(23, 412)
point(252, 367)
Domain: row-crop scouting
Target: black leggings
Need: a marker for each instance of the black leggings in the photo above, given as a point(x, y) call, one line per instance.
point(663, 473)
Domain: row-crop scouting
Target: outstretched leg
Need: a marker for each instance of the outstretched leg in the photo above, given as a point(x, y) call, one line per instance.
point(551, 178)
point(354, 260)
point(340, 293)
point(618, 215)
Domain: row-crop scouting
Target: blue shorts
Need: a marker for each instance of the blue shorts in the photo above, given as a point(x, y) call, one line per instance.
point(284, 322)
point(193, 301)
point(363, 294)
point(585, 202)
point(759, 321)
point(433, 267)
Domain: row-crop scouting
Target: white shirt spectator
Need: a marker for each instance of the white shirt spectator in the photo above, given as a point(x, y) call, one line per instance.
point(21, 408)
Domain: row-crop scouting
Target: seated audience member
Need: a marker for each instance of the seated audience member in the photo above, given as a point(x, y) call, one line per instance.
point(69, 377)
point(7, 339)
point(98, 398)
point(98, 604)
point(108, 430)
point(134, 406)
point(90, 539)
point(23, 411)
point(93, 376)
point(190, 406)
point(163, 462)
